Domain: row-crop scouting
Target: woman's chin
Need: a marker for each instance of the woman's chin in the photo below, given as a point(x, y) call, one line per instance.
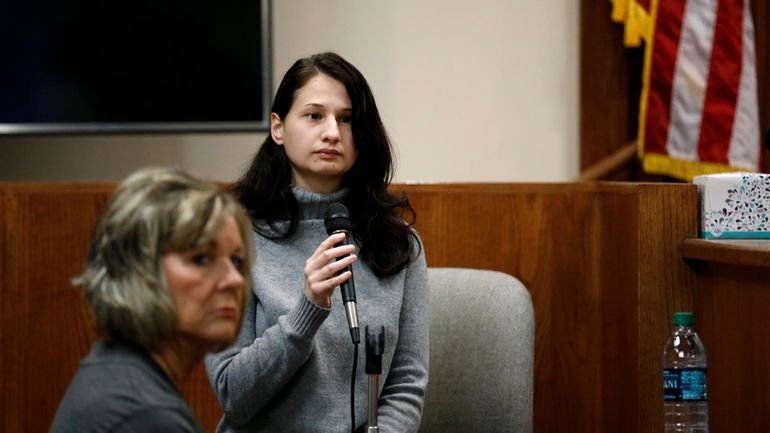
point(217, 341)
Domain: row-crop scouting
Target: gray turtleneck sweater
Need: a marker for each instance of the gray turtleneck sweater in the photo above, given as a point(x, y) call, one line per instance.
point(290, 368)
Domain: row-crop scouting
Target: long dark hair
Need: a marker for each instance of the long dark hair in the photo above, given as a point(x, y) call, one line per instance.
point(381, 221)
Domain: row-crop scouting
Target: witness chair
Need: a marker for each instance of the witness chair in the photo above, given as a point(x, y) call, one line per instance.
point(482, 329)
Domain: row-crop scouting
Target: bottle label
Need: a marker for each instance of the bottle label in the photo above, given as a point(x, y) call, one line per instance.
point(684, 384)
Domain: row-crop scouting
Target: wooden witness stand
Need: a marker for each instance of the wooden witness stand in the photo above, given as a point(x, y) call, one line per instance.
point(602, 262)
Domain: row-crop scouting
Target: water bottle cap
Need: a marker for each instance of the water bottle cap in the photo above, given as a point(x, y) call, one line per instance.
point(683, 318)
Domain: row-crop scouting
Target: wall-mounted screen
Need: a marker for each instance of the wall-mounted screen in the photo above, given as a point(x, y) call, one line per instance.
point(94, 66)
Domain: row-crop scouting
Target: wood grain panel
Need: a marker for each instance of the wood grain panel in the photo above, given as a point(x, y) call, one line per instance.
point(666, 284)
point(199, 394)
point(46, 324)
point(746, 252)
point(731, 303)
point(610, 84)
point(731, 316)
point(760, 12)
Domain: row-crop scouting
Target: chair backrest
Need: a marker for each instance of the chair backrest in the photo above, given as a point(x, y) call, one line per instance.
point(481, 353)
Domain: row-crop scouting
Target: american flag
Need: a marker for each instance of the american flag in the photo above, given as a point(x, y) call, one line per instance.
point(699, 111)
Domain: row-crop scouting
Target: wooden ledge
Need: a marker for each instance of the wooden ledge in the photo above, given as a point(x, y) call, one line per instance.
point(746, 252)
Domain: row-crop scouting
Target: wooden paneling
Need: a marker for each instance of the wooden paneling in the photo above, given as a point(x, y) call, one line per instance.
point(600, 260)
point(731, 316)
point(610, 84)
point(761, 14)
point(198, 392)
point(45, 325)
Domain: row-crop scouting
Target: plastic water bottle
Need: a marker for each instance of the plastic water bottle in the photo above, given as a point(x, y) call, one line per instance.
point(684, 379)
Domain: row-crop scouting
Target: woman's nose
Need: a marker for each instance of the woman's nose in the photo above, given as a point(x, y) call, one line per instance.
point(331, 130)
point(232, 277)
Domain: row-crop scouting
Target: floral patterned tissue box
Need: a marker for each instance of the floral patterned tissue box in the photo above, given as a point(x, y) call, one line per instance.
point(734, 205)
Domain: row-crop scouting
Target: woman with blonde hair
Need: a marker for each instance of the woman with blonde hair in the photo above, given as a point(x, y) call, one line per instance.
point(166, 277)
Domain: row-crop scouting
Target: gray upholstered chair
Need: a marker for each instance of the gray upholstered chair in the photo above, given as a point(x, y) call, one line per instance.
point(481, 353)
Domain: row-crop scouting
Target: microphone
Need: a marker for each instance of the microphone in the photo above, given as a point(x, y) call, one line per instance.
point(337, 220)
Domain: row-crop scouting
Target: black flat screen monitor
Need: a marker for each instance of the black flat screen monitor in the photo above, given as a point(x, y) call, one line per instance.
point(91, 66)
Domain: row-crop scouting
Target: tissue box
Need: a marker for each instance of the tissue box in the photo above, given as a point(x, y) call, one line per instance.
point(734, 205)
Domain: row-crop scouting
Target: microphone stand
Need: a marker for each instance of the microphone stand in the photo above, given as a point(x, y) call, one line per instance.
point(375, 346)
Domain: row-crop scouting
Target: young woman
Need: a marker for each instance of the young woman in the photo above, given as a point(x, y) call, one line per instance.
point(166, 277)
point(290, 368)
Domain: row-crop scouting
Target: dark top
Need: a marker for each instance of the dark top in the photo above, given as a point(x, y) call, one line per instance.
point(120, 388)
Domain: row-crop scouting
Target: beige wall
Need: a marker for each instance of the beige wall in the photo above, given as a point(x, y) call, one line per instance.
point(483, 90)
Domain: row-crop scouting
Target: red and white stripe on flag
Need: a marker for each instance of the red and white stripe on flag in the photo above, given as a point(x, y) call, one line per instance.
point(699, 111)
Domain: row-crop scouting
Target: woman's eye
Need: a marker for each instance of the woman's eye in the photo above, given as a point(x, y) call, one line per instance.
point(201, 259)
point(346, 119)
point(238, 263)
point(314, 116)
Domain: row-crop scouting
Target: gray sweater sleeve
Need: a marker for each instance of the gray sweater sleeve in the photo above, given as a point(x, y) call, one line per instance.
point(401, 400)
point(247, 375)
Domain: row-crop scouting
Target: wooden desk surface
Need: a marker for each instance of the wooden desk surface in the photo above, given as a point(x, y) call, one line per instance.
point(746, 252)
